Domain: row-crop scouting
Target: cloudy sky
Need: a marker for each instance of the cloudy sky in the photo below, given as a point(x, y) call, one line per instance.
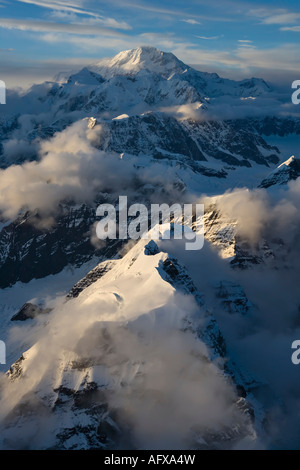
point(235, 38)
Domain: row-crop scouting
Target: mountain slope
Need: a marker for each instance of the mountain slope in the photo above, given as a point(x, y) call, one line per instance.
point(285, 172)
point(92, 390)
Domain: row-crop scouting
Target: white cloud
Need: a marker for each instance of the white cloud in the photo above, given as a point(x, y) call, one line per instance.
point(245, 60)
point(285, 18)
point(67, 11)
point(70, 167)
point(275, 16)
point(247, 45)
point(191, 21)
point(208, 37)
point(170, 12)
point(70, 28)
point(296, 29)
point(60, 6)
point(283, 57)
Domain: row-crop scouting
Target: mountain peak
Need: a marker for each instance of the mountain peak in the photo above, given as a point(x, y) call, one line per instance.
point(287, 171)
point(147, 58)
point(145, 55)
point(289, 162)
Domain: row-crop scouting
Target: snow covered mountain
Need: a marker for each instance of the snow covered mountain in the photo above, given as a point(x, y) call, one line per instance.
point(141, 344)
point(91, 372)
point(139, 82)
point(285, 172)
point(145, 60)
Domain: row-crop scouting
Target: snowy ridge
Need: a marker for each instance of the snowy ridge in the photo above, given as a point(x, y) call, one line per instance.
point(285, 172)
point(83, 376)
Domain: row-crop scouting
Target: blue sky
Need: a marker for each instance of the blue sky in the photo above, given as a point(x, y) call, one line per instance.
point(237, 39)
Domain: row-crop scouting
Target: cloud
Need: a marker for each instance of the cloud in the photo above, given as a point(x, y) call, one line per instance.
point(16, 148)
point(70, 28)
point(70, 167)
point(283, 57)
point(186, 111)
point(273, 16)
point(277, 64)
point(69, 10)
point(191, 21)
point(21, 73)
point(296, 29)
point(259, 342)
point(246, 43)
point(169, 12)
point(208, 37)
point(61, 6)
point(249, 46)
point(249, 208)
point(284, 18)
point(173, 398)
point(263, 215)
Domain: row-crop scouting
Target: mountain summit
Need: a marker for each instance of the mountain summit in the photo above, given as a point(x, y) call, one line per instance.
point(146, 58)
point(151, 63)
point(285, 172)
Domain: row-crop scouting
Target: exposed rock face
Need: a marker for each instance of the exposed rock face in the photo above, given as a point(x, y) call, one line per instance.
point(28, 252)
point(29, 311)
